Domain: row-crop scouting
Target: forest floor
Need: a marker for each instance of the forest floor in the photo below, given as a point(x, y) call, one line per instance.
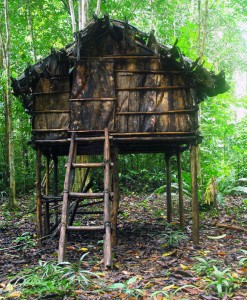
point(152, 259)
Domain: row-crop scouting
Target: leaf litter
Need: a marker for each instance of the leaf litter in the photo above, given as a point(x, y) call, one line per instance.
point(152, 259)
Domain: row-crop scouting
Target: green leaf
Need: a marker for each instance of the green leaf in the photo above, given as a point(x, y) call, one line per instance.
point(116, 286)
point(131, 280)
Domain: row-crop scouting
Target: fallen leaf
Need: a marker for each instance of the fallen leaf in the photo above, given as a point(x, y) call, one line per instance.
point(222, 253)
point(216, 237)
point(9, 287)
point(72, 248)
point(15, 295)
point(170, 287)
point(169, 253)
point(184, 267)
point(242, 270)
point(79, 292)
point(83, 249)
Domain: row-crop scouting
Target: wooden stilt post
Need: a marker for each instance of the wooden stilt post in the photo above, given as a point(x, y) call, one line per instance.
point(47, 208)
point(195, 203)
point(180, 191)
point(55, 185)
point(168, 188)
point(107, 223)
point(115, 204)
point(38, 196)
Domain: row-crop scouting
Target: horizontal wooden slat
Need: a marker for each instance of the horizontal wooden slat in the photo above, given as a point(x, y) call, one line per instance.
point(51, 92)
point(87, 195)
point(90, 212)
point(50, 130)
point(185, 111)
point(51, 111)
point(88, 165)
point(87, 228)
point(93, 99)
point(152, 133)
point(93, 58)
point(151, 72)
point(139, 88)
point(90, 139)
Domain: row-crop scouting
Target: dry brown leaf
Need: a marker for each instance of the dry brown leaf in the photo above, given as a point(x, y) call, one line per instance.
point(15, 295)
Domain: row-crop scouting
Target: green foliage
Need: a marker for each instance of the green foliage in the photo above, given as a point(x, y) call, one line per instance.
point(127, 287)
point(222, 281)
point(243, 260)
point(204, 267)
point(53, 279)
point(172, 236)
point(25, 241)
point(170, 296)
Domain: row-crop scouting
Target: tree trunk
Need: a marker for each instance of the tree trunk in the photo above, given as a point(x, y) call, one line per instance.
point(82, 13)
point(30, 29)
point(204, 30)
point(97, 10)
point(72, 15)
point(8, 113)
point(202, 37)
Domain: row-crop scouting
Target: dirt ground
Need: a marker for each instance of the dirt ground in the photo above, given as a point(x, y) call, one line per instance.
point(159, 254)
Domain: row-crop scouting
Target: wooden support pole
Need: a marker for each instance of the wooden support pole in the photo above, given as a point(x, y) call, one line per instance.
point(47, 206)
point(194, 189)
point(107, 223)
point(55, 184)
point(180, 191)
point(168, 188)
point(116, 196)
point(38, 196)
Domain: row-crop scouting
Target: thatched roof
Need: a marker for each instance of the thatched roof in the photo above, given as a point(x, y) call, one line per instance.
point(105, 36)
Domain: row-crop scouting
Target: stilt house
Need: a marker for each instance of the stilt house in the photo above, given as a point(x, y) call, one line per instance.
point(113, 90)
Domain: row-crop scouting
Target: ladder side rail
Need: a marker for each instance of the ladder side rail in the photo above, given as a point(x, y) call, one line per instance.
point(107, 223)
point(64, 217)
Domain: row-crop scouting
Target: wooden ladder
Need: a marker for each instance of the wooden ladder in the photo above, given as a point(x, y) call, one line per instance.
point(68, 196)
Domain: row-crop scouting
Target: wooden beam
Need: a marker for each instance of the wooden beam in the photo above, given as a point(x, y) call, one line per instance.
point(50, 93)
point(116, 196)
point(168, 187)
point(51, 111)
point(38, 196)
point(180, 191)
point(184, 111)
point(92, 99)
point(194, 189)
point(47, 206)
point(107, 210)
point(148, 88)
point(152, 72)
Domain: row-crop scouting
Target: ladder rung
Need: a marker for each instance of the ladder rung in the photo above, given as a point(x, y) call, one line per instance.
point(88, 165)
point(88, 228)
point(88, 195)
point(89, 212)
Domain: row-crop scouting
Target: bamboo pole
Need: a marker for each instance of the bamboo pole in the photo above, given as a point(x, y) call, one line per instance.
point(64, 216)
point(38, 196)
point(168, 187)
point(55, 185)
point(47, 208)
point(194, 188)
point(180, 191)
point(116, 196)
point(107, 224)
